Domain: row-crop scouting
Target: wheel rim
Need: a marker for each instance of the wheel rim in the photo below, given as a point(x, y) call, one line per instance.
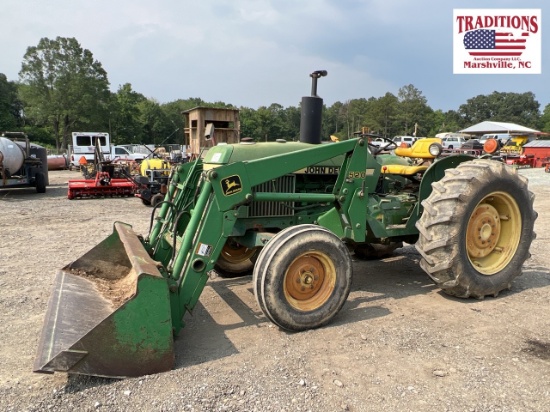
point(309, 281)
point(233, 252)
point(493, 233)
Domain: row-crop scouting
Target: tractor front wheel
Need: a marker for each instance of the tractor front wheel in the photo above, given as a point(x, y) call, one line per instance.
point(476, 229)
point(302, 277)
point(235, 260)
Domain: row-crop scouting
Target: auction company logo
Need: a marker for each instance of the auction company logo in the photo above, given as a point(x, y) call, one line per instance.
point(505, 41)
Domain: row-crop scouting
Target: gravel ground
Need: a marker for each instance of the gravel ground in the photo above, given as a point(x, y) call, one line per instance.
point(398, 343)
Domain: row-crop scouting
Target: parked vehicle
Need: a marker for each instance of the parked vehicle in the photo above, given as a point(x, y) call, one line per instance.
point(404, 139)
point(452, 142)
point(450, 134)
point(379, 142)
point(84, 145)
point(472, 147)
point(122, 153)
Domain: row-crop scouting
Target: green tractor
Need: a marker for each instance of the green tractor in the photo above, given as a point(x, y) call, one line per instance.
point(291, 213)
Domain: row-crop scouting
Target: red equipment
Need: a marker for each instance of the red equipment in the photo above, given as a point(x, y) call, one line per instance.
point(520, 161)
point(102, 185)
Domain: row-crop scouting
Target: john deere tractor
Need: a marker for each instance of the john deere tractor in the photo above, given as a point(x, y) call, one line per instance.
point(292, 213)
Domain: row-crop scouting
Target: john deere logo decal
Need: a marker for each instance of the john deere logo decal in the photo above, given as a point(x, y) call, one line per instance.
point(231, 185)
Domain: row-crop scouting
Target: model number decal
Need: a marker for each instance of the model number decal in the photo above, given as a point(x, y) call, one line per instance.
point(356, 175)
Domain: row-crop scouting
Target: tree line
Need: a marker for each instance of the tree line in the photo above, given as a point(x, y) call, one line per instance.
point(62, 88)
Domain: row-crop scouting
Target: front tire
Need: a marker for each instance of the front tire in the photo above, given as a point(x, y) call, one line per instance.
point(235, 260)
point(476, 229)
point(302, 277)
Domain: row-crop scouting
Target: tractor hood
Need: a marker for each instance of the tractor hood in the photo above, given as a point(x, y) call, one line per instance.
point(231, 153)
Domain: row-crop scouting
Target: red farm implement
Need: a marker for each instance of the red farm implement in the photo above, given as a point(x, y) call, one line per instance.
point(103, 179)
point(522, 161)
point(102, 185)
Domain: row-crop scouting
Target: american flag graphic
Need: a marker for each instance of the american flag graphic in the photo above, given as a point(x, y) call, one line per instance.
point(493, 43)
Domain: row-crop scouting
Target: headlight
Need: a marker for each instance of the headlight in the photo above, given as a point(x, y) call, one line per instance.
point(435, 149)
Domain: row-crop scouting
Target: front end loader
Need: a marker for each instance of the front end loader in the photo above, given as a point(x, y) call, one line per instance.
point(290, 213)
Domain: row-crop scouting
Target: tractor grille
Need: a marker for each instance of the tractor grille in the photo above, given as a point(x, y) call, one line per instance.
point(285, 184)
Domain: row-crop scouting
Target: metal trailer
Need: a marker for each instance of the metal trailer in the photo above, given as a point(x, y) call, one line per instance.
point(22, 163)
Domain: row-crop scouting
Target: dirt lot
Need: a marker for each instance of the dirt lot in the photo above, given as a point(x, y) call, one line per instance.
point(398, 344)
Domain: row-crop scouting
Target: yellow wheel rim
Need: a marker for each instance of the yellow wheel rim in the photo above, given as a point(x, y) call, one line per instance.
point(309, 281)
point(493, 233)
point(233, 252)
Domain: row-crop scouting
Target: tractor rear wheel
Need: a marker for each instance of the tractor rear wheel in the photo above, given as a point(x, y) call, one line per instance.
point(476, 229)
point(235, 260)
point(302, 277)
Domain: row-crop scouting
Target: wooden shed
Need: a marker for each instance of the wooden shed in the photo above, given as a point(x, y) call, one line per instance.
point(226, 123)
point(540, 150)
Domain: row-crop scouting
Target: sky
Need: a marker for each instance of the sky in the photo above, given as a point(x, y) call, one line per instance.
point(253, 53)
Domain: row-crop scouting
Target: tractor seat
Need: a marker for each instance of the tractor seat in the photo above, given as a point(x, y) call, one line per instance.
point(403, 169)
point(419, 150)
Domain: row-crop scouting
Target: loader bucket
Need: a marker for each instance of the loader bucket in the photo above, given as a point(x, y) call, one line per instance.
point(109, 313)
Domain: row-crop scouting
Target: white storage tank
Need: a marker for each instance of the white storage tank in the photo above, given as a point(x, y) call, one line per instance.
point(12, 155)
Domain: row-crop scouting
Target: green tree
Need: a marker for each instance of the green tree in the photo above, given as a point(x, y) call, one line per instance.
point(544, 121)
point(64, 87)
point(291, 120)
point(10, 105)
point(413, 111)
point(453, 121)
point(248, 121)
point(383, 113)
point(333, 121)
point(521, 108)
point(265, 123)
point(346, 116)
point(155, 122)
point(125, 123)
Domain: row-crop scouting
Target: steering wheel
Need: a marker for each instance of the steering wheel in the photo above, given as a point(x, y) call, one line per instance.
point(377, 149)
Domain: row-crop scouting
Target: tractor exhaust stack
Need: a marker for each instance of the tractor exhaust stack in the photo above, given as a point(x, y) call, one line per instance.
point(312, 111)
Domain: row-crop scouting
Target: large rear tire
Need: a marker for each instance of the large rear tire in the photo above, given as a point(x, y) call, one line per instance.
point(302, 277)
point(235, 260)
point(476, 229)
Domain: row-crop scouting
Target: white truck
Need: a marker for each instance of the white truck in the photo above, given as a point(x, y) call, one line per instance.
point(84, 146)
